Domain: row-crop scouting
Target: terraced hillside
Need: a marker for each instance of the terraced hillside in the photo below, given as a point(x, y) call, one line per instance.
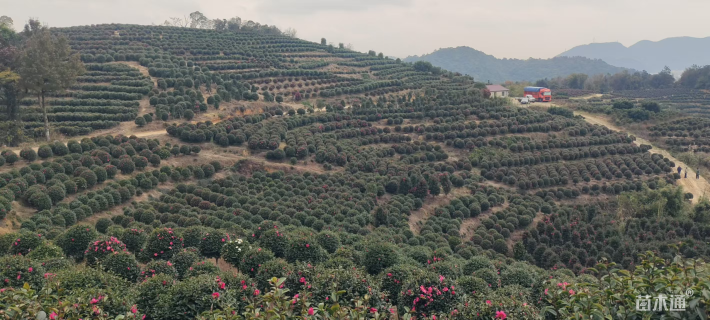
point(371, 188)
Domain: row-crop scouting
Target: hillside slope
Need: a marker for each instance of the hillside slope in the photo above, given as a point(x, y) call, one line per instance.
point(677, 53)
point(486, 67)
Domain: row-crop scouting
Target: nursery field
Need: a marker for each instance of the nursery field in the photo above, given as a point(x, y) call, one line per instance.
point(203, 174)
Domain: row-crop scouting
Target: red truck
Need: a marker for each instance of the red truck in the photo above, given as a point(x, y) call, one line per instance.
point(539, 93)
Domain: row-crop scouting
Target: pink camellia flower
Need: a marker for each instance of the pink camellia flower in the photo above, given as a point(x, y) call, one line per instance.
point(433, 317)
point(93, 301)
point(546, 291)
point(19, 276)
point(441, 278)
point(52, 316)
point(221, 285)
point(302, 280)
point(30, 269)
point(571, 292)
point(501, 315)
point(373, 310)
point(308, 245)
point(310, 311)
point(488, 302)
point(215, 295)
point(134, 309)
point(257, 292)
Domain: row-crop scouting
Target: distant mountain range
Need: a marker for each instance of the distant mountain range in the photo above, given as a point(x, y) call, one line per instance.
point(484, 67)
point(677, 53)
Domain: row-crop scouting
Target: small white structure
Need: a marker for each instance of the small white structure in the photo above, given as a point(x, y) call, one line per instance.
point(498, 91)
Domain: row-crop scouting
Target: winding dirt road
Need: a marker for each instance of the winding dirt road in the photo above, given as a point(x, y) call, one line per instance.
point(698, 187)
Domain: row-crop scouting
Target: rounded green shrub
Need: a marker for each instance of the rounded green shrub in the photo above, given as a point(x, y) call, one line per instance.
point(28, 154)
point(379, 256)
point(44, 151)
point(75, 240)
point(233, 250)
point(184, 259)
point(162, 244)
point(122, 264)
point(25, 242)
point(253, 258)
point(46, 251)
point(472, 285)
point(328, 240)
point(101, 248)
point(18, 270)
point(103, 224)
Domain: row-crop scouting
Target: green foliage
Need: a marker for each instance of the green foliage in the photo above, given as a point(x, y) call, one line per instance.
point(183, 260)
point(103, 224)
point(18, 270)
point(232, 251)
point(162, 244)
point(75, 240)
point(201, 268)
point(101, 248)
point(212, 243)
point(158, 267)
point(134, 239)
point(25, 242)
point(379, 256)
point(304, 249)
point(122, 264)
point(46, 251)
point(253, 258)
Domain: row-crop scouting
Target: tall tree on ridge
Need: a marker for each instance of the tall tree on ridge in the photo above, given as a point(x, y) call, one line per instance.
point(47, 64)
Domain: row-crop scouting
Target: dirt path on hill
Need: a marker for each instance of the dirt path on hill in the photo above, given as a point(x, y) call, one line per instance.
point(698, 187)
point(418, 217)
point(469, 226)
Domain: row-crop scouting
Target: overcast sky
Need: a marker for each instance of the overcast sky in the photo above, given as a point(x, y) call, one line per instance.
point(399, 28)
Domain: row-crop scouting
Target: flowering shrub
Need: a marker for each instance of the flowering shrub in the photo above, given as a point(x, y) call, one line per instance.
point(157, 267)
point(183, 260)
point(304, 249)
point(394, 277)
point(46, 251)
point(200, 268)
point(614, 294)
point(253, 258)
point(233, 250)
point(134, 239)
point(328, 240)
point(274, 240)
point(15, 271)
point(162, 244)
point(149, 293)
point(25, 242)
point(379, 256)
point(428, 293)
point(75, 240)
point(101, 248)
point(278, 268)
point(212, 243)
point(122, 264)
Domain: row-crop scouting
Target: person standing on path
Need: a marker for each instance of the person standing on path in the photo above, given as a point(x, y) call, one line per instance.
point(679, 169)
point(697, 173)
point(686, 173)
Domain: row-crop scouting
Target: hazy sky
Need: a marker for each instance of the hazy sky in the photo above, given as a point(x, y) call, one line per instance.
point(503, 28)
